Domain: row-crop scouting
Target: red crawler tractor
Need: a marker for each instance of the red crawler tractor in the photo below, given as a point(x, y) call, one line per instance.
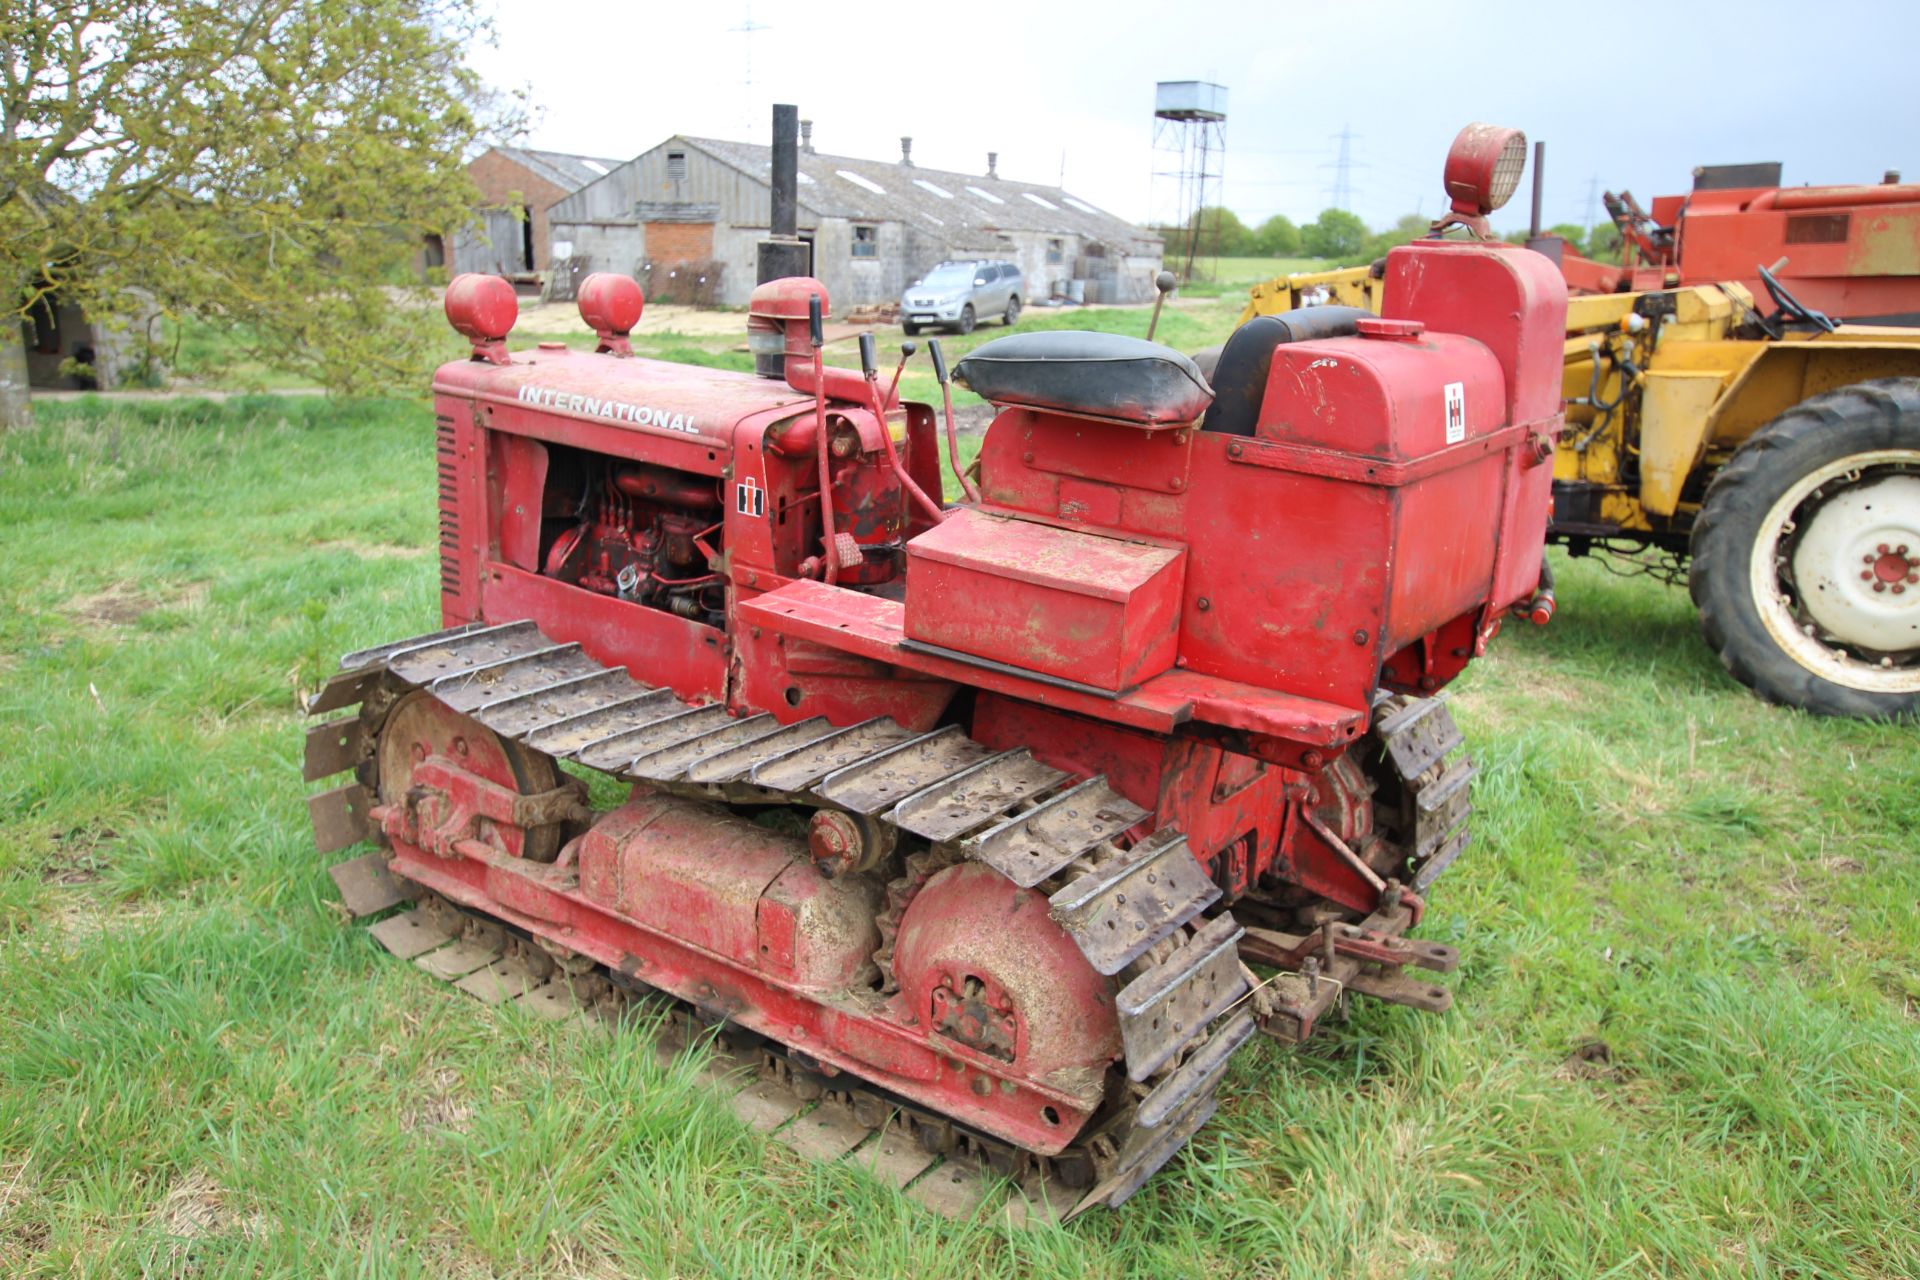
point(999, 825)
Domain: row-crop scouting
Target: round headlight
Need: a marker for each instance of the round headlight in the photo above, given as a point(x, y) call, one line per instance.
point(1483, 168)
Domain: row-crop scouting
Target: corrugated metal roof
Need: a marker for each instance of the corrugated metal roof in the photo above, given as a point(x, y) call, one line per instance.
point(561, 168)
point(957, 205)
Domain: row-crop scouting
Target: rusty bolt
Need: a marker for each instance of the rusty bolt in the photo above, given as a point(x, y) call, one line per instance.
point(1868, 559)
point(1913, 577)
point(1884, 548)
point(1360, 637)
point(1235, 449)
point(1312, 759)
point(1176, 484)
point(1879, 586)
point(460, 746)
point(419, 751)
point(1203, 604)
point(1429, 683)
point(1901, 549)
point(1899, 588)
point(834, 842)
point(756, 633)
point(982, 1085)
point(1028, 458)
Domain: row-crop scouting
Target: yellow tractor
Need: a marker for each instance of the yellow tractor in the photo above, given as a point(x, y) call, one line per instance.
point(1779, 454)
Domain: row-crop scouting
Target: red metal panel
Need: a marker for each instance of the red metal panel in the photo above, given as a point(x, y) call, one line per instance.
point(657, 647)
point(1095, 610)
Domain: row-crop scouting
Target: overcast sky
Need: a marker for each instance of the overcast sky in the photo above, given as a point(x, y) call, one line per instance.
point(1629, 96)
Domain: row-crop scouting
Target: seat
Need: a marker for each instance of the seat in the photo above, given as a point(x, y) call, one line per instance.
point(1099, 375)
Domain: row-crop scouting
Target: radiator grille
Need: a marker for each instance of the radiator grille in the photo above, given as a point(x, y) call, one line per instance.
point(444, 450)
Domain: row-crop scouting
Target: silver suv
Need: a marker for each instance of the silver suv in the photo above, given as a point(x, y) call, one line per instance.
point(955, 295)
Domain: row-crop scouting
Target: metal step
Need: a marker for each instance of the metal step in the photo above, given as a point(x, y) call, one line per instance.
point(1419, 734)
point(1442, 807)
point(424, 663)
point(1133, 900)
point(1200, 1074)
point(482, 686)
point(670, 763)
point(613, 753)
point(956, 805)
point(803, 766)
point(1172, 1003)
point(735, 764)
point(575, 733)
point(886, 777)
point(565, 697)
point(1032, 846)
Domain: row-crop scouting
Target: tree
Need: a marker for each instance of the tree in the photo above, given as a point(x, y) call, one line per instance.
point(1410, 227)
point(1277, 238)
point(269, 166)
point(1221, 235)
point(1334, 234)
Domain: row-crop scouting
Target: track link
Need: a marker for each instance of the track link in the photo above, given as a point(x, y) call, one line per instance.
point(1134, 909)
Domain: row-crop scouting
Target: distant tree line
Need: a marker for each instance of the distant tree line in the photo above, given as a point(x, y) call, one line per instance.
point(1336, 235)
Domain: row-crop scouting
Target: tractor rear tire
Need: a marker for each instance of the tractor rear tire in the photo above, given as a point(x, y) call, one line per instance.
point(1806, 555)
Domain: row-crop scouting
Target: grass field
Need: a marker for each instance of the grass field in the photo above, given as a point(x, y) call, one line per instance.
point(1685, 1040)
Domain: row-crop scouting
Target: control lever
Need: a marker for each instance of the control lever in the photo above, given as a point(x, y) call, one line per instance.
point(906, 353)
point(817, 337)
point(946, 399)
point(869, 367)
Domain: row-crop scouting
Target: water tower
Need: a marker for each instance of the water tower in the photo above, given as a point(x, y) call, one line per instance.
point(1190, 154)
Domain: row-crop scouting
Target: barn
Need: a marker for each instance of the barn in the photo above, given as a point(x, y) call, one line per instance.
point(517, 187)
point(684, 219)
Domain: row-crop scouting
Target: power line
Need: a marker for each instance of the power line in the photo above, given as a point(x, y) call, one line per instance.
point(1340, 193)
point(747, 28)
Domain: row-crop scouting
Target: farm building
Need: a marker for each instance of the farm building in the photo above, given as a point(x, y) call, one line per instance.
point(684, 219)
point(517, 187)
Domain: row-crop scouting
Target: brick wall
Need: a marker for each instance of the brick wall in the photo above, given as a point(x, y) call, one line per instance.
point(679, 241)
point(503, 182)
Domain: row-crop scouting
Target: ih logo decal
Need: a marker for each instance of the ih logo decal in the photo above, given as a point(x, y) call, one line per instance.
point(749, 499)
point(1456, 412)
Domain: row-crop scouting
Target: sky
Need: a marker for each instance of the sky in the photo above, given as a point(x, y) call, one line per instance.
point(1624, 97)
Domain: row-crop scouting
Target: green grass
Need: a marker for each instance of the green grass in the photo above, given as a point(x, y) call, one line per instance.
point(202, 1072)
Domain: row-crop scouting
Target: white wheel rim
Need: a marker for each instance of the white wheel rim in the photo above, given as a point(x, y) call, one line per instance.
point(1830, 527)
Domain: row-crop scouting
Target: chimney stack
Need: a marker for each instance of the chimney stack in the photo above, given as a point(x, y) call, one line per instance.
point(906, 152)
point(806, 137)
point(993, 164)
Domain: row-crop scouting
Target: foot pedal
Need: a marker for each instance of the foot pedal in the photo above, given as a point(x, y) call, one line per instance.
point(1122, 907)
point(366, 886)
point(1171, 1003)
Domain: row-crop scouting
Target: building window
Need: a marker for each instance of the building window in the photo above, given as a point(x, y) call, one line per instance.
point(866, 242)
point(1055, 252)
point(676, 166)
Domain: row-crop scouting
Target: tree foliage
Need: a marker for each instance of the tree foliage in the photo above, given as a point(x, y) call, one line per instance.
point(1336, 233)
point(268, 165)
point(1277, 237)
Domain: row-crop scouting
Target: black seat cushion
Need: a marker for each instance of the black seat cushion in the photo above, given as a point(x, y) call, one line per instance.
point(1102, 375)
